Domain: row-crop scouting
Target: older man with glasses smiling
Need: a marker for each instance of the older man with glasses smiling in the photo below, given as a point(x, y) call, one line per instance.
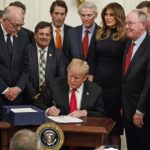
point(136, 82)
point(13, 57)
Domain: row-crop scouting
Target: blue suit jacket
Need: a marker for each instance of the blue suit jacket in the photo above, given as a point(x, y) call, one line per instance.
point(14, 71)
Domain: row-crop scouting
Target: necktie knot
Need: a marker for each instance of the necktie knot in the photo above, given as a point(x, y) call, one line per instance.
point(42, 51)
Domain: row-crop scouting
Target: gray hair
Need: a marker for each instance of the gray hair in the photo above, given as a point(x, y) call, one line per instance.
point(89, 5)
point(141, 15)
point(25, 140)
point(10, 11)
point(79, 65)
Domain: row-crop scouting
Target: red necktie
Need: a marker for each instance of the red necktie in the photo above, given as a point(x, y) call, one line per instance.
point(128, 57)
point(85, 44)
point(73, 101)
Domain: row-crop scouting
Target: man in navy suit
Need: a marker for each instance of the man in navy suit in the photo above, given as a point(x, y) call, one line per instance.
point(56, 96)
point(136, 82)
point(74, 46)
point(58, 13)
point(14, 67)
point(54, 60)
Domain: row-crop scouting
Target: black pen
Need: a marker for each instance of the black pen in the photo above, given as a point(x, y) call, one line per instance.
point(54, 103)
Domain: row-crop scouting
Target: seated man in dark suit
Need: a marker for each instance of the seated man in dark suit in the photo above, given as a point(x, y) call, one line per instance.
point(45, 61)
point(73, 95)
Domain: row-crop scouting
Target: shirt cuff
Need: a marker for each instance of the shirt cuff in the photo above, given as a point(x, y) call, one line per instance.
point(5, 90)
point(139, 112)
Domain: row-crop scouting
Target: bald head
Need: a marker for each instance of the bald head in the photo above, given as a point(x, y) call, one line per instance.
point(13, 18)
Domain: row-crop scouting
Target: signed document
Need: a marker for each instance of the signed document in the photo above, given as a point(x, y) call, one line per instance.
point(65, 119)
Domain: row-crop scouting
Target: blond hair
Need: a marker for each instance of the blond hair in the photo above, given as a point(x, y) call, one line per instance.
point(80, 66)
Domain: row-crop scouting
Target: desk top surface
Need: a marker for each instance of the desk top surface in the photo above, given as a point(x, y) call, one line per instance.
point(89, 125)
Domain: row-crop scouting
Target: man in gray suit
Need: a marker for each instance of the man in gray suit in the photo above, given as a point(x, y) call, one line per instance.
point(136, 82)
point(54, 62)
point(56, 97)
point(14, 67)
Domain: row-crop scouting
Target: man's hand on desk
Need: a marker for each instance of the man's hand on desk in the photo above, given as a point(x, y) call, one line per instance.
point(12, 93)
point(78, 113)
point(53, 111)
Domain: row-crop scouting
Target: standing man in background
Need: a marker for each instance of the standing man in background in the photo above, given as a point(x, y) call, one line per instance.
point(58, 13)
point(13, 57)
point(81, 39)
point(136, 82)
point(145, 7)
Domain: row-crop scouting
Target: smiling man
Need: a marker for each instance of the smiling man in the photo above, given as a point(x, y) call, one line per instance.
point(136, 82)
point(45, 60)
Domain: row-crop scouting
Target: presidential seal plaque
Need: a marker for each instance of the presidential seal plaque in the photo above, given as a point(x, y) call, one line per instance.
point(51, 136)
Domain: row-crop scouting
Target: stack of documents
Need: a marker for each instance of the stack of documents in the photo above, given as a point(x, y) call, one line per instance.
point(65, 119)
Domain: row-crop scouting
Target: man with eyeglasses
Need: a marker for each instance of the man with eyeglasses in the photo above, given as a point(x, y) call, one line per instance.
point(136, 82)
point(23, 7)
point(14, 68)
point(81, 39)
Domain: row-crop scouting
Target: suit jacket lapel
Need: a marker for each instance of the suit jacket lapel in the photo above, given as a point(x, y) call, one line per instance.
point(3, 44)
point(50, 54)
point(124, 57)
point(15, 48)
point(92, 42)
point(85, 96)
point(79, 41)
point(136, 56)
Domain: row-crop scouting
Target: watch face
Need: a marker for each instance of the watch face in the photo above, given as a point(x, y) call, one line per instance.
point(51, 136)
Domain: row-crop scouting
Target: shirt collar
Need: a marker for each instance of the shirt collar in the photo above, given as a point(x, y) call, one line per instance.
point(54, 27)
point(38, 48)
point(140, 39)
point(80, 89)
point(91, 29)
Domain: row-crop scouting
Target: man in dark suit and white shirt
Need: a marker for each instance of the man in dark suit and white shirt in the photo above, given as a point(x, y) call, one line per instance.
point(54, 62)
point(58, 13)
point(56, 97)
point(75, 37)
point(13, 57)
point(136, 82)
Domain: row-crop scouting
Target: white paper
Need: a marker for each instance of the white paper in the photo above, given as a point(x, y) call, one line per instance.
point(65, 119)
point(22, 110)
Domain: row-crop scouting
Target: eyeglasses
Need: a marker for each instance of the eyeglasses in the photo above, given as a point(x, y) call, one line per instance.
point(15, 25)
point(130, 23)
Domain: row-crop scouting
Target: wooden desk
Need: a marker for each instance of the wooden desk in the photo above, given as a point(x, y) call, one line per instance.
point(92, 132)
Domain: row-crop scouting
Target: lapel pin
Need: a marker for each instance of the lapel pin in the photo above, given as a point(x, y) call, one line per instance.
point(50, 55)
point(87, 93)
